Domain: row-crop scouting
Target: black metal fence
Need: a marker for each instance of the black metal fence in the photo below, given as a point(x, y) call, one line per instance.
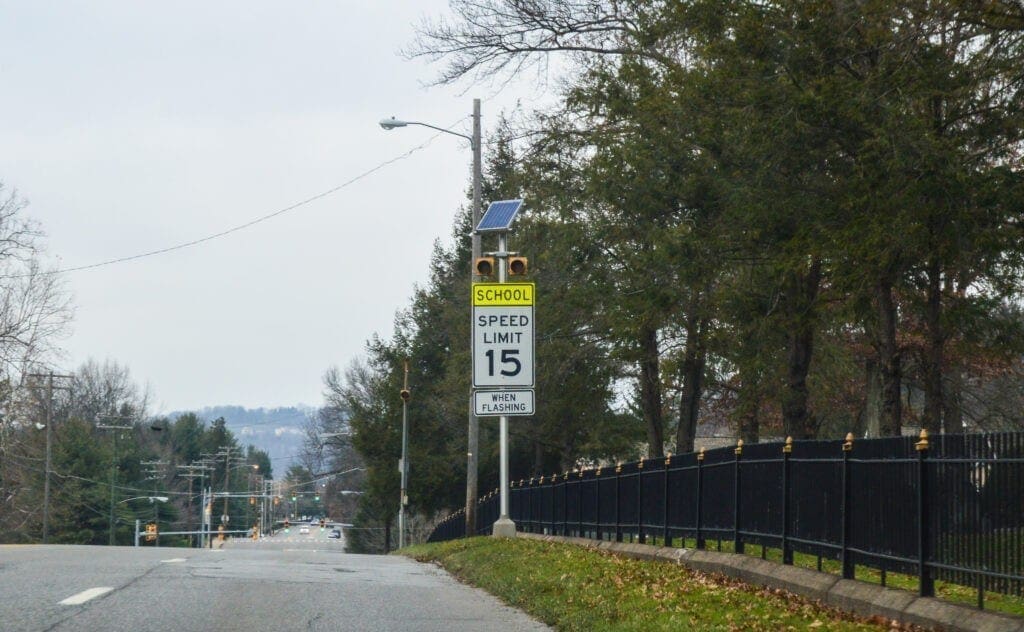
point(948, 508)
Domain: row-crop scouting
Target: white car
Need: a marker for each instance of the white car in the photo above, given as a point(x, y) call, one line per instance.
point(303, 530)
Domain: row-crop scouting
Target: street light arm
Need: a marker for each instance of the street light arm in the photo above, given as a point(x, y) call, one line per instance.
point(328, 435)
point(162, 499)
point(392, 123)
point(338, 473)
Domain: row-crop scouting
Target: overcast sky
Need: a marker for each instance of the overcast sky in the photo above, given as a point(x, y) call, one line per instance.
point(132, 126)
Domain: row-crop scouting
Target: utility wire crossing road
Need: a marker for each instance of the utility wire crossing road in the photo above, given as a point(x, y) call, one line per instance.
point(244, 586)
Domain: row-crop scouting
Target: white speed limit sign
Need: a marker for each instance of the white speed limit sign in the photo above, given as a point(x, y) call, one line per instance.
point(503, 330)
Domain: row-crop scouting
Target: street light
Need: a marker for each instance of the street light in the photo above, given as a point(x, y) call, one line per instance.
point(474, 427)
point(161, 499)
point(327, 475)
point(328, 435)
point(392, 123)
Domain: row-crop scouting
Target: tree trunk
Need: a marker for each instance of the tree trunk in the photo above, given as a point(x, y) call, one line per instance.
point(693, 377)
point(797, 420)
point(953, 384)
point(952, 401)
point(650, 392)
point(889, 361)
point(933, 396)
point(872, 418)
point(749, 411)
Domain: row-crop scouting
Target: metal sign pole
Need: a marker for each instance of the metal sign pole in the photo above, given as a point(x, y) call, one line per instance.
point(504, 527)
point(503, 344)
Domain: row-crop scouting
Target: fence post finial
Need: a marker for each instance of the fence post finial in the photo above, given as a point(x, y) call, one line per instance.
point(789, 445)
point(848, 444)
point(923, 443)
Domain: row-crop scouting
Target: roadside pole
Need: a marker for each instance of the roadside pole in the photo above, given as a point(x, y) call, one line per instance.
point(49, 446)
point(49, 443)
point(474, 422)
point(403, 499)
point(504, 527)
point(113, 467)
point(502, 342)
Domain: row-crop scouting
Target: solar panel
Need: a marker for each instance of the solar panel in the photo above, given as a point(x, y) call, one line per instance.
point(499, 215)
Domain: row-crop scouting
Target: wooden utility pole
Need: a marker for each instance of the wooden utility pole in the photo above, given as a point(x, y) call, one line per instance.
point(49, 447)
point(473, 437)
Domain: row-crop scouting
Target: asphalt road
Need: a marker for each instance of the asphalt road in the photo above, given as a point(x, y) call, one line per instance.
point(289, 582)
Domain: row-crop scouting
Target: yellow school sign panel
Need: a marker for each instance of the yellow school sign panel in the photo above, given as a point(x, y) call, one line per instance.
point(503, 335)
point(503, 294)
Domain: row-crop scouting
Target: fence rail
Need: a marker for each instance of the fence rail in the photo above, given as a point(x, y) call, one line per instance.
point(949, 508)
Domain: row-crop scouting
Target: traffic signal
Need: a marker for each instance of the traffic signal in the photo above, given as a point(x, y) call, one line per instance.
point(488, 266)
point(517, 266)
point(252, 500)
point(151, 532)
point(316, 498)
point(277, 500)
point(484, 266)
point(293, 498)
point(287, 525)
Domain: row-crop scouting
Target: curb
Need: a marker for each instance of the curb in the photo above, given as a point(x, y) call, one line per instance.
point(867, 600)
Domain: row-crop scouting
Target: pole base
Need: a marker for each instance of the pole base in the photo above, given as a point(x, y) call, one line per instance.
point(504, 528)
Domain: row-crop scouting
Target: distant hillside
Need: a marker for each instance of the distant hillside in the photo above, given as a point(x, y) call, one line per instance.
point(278, 431)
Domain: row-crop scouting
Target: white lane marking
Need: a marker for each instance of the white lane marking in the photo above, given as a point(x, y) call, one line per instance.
point(173, 560)
point(86, 595)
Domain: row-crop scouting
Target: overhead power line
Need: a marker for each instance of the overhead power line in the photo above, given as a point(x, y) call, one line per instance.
point(235, 229)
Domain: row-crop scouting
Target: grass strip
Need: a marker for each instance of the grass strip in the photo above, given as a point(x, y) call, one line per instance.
point(575, 588)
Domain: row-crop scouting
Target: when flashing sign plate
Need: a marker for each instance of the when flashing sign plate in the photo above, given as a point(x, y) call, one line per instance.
point(509, 403)
point(503, 330)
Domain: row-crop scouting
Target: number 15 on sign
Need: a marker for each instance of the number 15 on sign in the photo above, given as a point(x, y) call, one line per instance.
point(503, 334)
